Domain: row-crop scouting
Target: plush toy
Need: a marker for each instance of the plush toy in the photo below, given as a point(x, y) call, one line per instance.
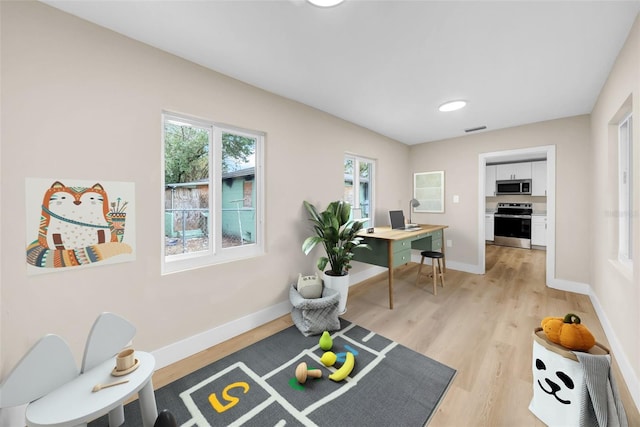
point(568, 332)
point(309, 287)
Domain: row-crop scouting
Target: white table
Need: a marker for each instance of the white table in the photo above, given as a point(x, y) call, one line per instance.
point(75, 404)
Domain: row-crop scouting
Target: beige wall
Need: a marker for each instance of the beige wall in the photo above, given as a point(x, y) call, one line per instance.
point(617, 290)
point(82, 102)
point(459, 159)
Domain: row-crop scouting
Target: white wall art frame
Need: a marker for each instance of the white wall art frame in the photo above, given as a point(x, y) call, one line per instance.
point(74, 224)
point(428, 189)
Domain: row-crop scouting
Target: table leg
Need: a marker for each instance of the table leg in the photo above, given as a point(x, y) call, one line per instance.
point(148, 408)
point(390, 264)
point(116, 416)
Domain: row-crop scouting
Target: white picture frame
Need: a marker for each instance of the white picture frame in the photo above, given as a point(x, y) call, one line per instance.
point(428, 189)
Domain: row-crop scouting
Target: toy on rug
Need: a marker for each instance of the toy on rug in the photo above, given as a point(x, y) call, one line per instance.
point(326, 342)
point(568, 332)
point(328, 358)
point(302, 373)
point(345, 369)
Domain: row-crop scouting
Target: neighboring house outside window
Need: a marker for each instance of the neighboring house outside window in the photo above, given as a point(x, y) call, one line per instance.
point(625, 192)
point(359, 175)
point(212, 198)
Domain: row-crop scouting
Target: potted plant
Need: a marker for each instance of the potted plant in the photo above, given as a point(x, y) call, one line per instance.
point(339, 236)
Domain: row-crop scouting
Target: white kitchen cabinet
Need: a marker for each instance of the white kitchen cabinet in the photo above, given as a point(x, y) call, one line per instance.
point(490, 183)
point(539, 230)
point(488, 227)
point(513, 171)
point(539, 178)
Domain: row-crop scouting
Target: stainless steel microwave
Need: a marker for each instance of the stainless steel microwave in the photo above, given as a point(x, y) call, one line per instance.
point(513, 186)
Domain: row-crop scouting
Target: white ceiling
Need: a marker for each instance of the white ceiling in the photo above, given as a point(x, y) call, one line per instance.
point(388, 65)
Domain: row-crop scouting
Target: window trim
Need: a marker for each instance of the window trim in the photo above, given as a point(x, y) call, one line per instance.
point(356, 182)
point(625, 191)
point(215, 254)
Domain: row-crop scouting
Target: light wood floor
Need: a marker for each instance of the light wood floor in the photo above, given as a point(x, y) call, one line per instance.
point(481, 325)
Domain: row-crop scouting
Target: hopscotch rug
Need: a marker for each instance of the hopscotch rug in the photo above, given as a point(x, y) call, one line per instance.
point(390, 385)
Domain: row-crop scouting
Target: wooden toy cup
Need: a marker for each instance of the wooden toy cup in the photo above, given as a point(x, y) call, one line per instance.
point(125, 359)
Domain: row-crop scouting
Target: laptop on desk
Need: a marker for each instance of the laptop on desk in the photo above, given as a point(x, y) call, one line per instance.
point(396, 218)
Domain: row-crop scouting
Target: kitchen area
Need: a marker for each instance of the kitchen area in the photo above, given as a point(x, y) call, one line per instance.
point(516, 204)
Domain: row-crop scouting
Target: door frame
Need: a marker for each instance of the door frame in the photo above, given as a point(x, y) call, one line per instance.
point(548, 151)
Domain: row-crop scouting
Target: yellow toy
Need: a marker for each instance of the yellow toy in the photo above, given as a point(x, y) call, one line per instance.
point(328, 358)
point(345, 369)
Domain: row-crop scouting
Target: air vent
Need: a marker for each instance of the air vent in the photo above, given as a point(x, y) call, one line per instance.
point(475, 129)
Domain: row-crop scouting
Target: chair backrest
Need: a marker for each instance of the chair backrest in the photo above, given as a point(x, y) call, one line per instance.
point(109, 334)
point(48, 365)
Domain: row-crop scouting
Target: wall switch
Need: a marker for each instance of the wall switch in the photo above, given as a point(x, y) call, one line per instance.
point(449, 243)
point(456, 199)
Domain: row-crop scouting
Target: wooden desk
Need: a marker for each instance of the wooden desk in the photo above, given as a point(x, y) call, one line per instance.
point(392, 248)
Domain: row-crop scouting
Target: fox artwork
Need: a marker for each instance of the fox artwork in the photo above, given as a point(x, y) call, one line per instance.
point(78, 226)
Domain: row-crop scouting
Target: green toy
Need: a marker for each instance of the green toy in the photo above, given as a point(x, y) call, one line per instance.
point(325, 341)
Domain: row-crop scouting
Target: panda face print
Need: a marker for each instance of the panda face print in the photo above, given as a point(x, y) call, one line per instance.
point(553, 382)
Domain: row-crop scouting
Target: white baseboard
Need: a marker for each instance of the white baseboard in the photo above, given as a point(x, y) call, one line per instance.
point(628, 374)
point(569, 286)
point(189, 346)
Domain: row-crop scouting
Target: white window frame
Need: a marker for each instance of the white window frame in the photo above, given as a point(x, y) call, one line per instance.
point(369, 221)
point(625, 191)
point(216, 254)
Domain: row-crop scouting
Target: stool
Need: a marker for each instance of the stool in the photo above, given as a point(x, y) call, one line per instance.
point(437, 262)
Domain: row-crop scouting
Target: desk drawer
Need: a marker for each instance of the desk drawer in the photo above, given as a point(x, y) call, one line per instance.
point(436, 244)
point(401, 257)
point(401, 245)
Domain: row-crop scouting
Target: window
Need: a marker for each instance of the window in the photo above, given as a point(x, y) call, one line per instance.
point(625, 191)
point(212, 193)
point(358, 187)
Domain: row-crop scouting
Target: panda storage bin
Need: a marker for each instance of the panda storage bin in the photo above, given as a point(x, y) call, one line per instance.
point(558, 380)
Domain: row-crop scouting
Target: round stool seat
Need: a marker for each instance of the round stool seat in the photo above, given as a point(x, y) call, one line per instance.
point(432, 254)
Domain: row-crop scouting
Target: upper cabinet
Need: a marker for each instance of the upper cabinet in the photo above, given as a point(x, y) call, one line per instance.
point(539, 178)
point(490, 183)
point(513, 171)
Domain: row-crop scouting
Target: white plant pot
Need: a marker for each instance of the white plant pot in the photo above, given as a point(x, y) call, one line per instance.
point(340, 284)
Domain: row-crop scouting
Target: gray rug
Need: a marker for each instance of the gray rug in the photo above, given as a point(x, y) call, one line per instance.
point(390, 385)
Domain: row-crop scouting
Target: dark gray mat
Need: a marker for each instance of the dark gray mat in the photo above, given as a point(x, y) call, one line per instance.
point(390, 385)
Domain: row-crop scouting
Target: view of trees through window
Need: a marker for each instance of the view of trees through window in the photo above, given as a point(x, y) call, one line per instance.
point(358, 185)
point(193, 160)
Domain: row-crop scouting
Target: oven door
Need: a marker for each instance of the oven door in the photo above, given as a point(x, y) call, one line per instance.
point(512, 230)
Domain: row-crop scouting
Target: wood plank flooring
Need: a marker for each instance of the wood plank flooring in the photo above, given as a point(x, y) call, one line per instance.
point(480, 325)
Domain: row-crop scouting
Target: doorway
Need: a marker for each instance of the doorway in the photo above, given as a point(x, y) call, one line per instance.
point(547, 152)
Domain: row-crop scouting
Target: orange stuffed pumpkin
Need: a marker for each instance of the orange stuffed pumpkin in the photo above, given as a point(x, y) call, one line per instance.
point(568, 332)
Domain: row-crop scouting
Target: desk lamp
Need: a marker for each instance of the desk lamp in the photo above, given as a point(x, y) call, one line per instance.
point(414, 203)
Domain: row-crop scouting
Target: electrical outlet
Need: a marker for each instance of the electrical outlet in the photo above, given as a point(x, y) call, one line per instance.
point(449, 243)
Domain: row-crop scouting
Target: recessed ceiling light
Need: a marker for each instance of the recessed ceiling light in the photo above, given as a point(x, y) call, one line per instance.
point(452, 105)
point(325, 3)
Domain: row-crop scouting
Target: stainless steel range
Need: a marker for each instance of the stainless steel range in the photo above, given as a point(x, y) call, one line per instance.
point(512, 225)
